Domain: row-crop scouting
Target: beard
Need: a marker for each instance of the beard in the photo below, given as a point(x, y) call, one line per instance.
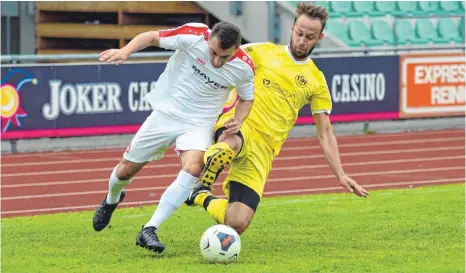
point(297, 55)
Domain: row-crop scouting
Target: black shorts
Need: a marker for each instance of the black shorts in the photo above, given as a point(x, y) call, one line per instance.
point(243, 194)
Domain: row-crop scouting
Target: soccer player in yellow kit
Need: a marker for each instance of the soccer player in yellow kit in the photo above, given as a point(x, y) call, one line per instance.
point(285, 80)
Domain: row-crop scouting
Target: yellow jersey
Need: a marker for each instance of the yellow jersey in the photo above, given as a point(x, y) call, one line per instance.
point(282, 86)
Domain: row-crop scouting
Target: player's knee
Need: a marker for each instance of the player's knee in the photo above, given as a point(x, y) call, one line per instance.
point(193, 168)
point(126, 170)
point(233, 141)
point(238, 220)
point(238, 224)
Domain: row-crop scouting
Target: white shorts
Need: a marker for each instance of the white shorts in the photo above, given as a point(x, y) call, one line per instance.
point(160, 131)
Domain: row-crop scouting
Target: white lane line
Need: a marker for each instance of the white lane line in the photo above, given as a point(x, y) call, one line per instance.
point(279, 158)
point(312, 147)
point(437, 134)
point(272, 180)
point(382, 143)
point(271, 193)
point(286, 168)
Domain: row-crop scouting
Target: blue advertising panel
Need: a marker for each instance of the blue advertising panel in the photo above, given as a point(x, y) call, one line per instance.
point(362, 88)
point(55, 100)
point(74, 100)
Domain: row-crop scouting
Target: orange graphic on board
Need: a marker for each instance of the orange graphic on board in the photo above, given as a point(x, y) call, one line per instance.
point(432, 85)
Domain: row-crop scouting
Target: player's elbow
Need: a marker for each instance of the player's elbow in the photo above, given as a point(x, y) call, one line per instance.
point(154, 37)
point(322, 140)
point(324, 134)
point(323, 125)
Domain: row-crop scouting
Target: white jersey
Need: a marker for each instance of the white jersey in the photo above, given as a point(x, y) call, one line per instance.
point(190, 88)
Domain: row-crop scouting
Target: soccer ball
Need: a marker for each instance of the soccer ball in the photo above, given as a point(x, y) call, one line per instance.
point(220, 243)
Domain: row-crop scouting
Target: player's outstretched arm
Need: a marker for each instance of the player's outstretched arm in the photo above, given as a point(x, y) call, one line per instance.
point(141, 41)
point(328, 142)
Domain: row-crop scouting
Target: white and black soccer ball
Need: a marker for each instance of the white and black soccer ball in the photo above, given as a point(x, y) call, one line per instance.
point(220, 243)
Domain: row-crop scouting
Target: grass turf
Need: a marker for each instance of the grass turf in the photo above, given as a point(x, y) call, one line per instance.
point(409, 230)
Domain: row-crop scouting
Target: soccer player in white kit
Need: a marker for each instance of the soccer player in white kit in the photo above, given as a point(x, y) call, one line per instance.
point(187, 101)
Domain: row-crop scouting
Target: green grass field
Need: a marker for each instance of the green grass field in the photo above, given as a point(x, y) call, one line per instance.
point(411, 230)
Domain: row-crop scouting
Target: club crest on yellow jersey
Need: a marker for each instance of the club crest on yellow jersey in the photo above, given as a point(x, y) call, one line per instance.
point(301, 81)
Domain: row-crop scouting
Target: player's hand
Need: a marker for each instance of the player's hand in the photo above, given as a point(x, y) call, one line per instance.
point(114, 56)
point(232, 126)
point(353, 186)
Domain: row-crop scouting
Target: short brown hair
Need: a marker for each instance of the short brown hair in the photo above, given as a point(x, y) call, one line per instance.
point(228, 35)
point(312, 11)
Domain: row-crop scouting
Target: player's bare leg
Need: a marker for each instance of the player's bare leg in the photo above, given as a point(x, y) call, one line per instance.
point(238, 216)
point(120, 178)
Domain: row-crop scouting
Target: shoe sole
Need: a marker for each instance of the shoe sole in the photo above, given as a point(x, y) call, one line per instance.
point(215, 165)
point(154, 249)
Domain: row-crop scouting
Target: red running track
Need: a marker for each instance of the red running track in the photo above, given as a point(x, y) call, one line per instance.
point(38, 183)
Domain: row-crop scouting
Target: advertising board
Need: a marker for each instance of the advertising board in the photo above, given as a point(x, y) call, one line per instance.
point(432, 85)
point(61, 100)
point(362, 88)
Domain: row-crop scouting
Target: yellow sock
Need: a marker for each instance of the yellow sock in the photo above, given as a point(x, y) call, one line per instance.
point(217, 209)
point(200, 198)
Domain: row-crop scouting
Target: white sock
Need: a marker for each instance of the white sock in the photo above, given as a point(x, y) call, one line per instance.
point(115, 187)
point(172, 198)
